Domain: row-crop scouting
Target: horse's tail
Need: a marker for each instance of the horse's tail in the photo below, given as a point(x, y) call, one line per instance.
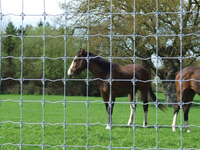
point(153, 96)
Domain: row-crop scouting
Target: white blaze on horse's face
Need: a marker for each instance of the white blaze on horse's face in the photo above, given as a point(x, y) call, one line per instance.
point(76, 67)
point(70, 70)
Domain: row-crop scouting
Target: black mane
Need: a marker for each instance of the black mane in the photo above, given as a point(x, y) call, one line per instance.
point(101, 62)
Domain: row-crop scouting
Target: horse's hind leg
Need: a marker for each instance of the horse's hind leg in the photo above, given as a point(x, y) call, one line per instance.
point(186, 107)
point(144, 92)
point(145, 107)
point(176, 110)
point(177, 107)
point(106, 100)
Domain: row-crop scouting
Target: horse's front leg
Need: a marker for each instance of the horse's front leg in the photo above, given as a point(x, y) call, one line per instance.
point(109, 108)
point(144, 92)
point(145, 108)
point(130, 121)
point(132, 108)
point(109, 116)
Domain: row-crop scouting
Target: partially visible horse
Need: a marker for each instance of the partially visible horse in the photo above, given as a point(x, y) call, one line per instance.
point(100, 68)
point(190, 87)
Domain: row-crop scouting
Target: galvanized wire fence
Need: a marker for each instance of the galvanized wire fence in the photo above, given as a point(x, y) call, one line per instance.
point(65, 79)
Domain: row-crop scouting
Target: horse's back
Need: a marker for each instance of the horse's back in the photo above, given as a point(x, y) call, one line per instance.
point(140, 72)
point(190, 74)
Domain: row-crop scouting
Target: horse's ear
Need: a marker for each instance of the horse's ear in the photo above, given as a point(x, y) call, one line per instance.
point(82, 52)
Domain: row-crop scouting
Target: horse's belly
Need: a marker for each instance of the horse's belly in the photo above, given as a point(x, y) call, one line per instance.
point(125, 88)
point(119, 88)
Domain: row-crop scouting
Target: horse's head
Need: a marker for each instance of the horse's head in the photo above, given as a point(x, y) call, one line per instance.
point(78, 64)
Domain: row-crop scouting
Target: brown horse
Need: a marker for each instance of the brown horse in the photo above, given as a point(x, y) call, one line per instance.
point(189, 88)
point(122, 82)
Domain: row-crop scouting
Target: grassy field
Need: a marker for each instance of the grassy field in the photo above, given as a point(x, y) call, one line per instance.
point(76, 115)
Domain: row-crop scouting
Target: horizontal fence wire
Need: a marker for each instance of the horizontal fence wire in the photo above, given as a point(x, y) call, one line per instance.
point(87, 80)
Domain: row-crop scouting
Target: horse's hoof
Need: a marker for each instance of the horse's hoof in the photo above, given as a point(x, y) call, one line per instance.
point(144, 124)
point(188, 131)
point(108, 127)
point(173, 129)
point(129, 122)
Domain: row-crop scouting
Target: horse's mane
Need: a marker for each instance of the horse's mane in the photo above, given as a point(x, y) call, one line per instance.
point(101, 62)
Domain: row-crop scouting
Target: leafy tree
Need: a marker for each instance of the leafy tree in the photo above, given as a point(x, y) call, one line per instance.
point(154, 32)
point(10, 47)
point(10, 42)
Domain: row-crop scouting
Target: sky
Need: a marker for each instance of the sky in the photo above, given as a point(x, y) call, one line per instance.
point(33, 9)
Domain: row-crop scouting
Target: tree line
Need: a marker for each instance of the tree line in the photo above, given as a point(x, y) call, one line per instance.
point(32, 69)
point(169, 34)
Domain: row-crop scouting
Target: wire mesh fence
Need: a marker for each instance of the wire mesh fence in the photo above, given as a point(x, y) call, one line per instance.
point(110, 34)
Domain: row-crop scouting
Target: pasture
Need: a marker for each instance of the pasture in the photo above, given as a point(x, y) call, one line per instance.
point(76, 115)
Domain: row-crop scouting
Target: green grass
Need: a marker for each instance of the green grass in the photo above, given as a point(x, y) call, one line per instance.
point(54, 134)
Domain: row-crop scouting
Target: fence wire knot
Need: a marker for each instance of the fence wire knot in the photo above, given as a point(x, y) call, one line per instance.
point(133, 103)
point(1, 15)
point(110, 102)
point(20, 145)
point(22, 15)
point(156, 126)
point(134, 80)
point(66, 15)
point(21, 124)
point(156, 103)
point(44, 15)
point(64, 124)
point(43, 123)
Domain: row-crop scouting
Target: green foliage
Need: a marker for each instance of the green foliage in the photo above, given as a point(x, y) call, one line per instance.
point(10, 48)
point(41, 59)
point(10, 43)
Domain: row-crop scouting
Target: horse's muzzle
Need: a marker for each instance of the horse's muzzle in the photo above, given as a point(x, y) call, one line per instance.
point(71, 75)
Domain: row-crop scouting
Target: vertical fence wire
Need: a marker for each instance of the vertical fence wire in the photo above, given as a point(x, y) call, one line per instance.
point(21, 78)
point(43, 76)
point(87, 78)
point(65, 70)
point(134, 78)
point(111, 79)
point(181, 66)
point(156, 103)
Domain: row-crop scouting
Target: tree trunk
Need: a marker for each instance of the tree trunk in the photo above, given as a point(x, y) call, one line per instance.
point(169, 92)
point(169, 86)
point(139, 97)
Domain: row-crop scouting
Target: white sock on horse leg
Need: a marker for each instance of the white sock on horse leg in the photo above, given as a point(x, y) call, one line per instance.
point(174, 123)
point(130, 121)
point(187, 126)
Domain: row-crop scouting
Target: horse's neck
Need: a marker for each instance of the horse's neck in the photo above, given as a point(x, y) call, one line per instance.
point(97, 70)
